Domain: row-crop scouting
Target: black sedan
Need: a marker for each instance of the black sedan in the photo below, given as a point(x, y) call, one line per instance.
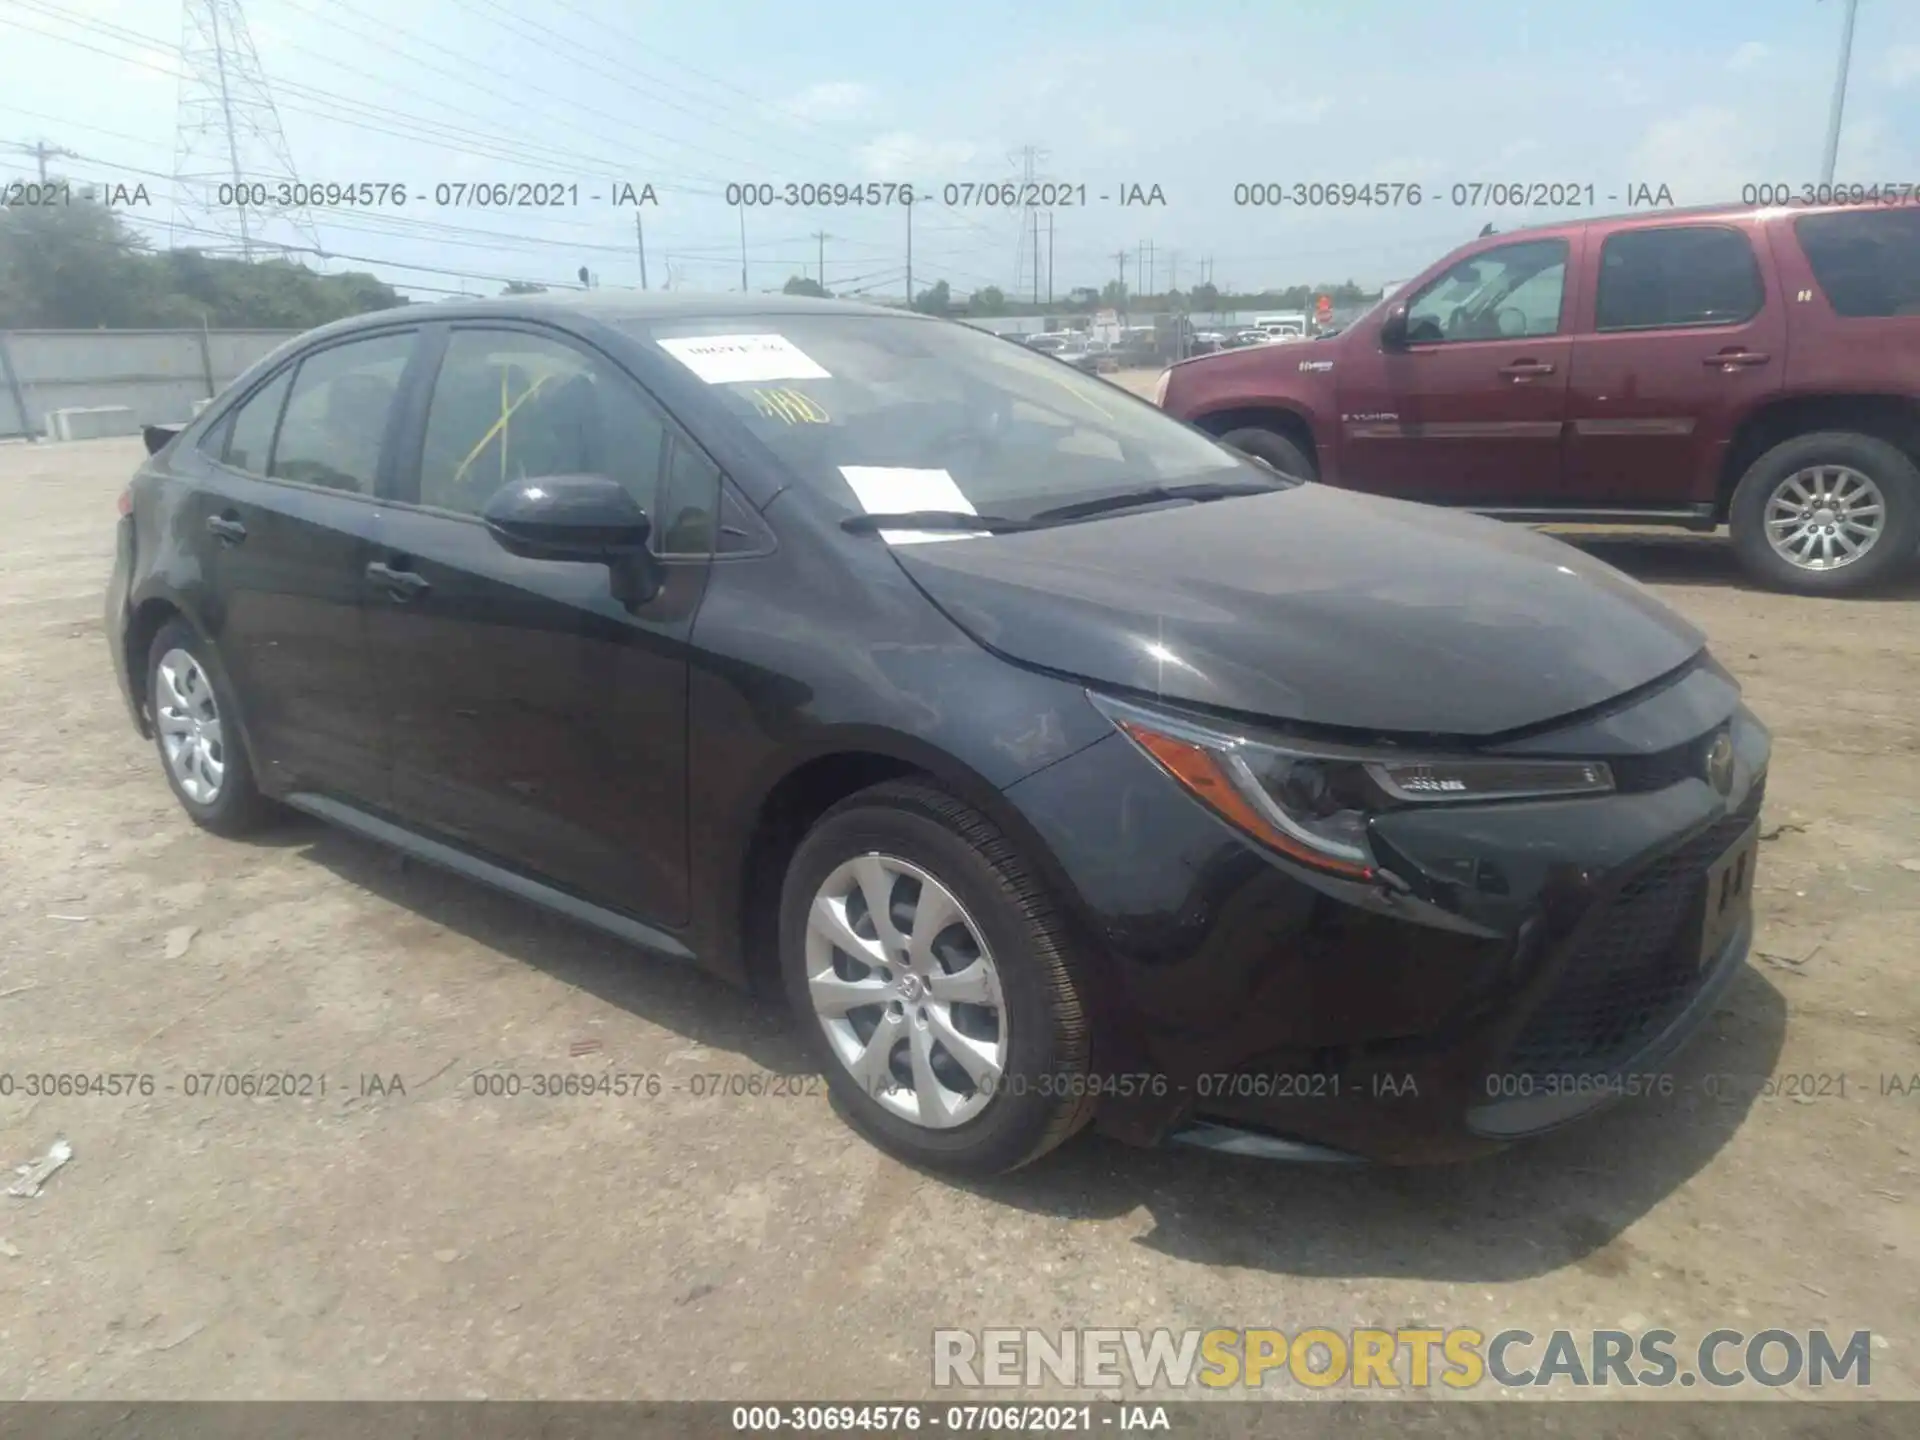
point(1061, 764)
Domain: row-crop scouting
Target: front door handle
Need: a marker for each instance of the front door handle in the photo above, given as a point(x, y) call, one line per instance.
point(400, 585)
point(1526, 369)
point(226, 529)
point(1731, 359)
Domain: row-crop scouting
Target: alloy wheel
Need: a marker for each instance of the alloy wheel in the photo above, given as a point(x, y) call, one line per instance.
point(904, 985)
point(1824, 517)
point(188, 719)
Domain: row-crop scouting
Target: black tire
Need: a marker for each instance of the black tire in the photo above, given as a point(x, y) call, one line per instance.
point(1891, 470)
point(1034, 1108)
point(237, 807)
point(1276, 449)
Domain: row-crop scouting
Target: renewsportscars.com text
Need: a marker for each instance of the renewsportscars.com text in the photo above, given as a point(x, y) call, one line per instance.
point(1366, 1359)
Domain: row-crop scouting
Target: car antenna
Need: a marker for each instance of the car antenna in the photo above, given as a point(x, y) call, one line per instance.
point(1486, 230)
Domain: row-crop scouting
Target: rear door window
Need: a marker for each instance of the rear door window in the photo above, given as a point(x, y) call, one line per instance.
point(336, 420)
point(1675, 277)
point(1867, 261)
point(244, 439)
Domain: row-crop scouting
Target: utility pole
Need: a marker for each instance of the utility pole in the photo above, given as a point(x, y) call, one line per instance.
point(1839, 92)
point(640, 239)
point(909, 255)
point(1036, 259)
point(1121, 257)
point(43, 152)
point(822, 237)
point(1153, 277)
point(743, 249)
point(1049, 257)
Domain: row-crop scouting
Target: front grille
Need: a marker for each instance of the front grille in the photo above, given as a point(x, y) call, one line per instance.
point(1636, 970)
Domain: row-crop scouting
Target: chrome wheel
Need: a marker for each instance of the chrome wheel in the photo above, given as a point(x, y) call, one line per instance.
point(1824, 517)
point(188, 719)
point(905, 988)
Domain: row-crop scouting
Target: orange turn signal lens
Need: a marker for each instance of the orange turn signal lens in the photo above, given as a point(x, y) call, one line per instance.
point(1200, 770)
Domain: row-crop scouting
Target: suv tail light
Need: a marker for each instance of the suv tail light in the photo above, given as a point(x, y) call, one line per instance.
point(1160, 388)
point(125, 503)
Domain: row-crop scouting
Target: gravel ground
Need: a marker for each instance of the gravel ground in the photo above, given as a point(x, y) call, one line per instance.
point(432, 1242)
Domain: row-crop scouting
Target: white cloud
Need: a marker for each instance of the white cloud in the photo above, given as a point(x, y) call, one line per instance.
point(831, 100)
point(1746, 56)
point(1901, 65)
point(903, 156)
point(1703, 155)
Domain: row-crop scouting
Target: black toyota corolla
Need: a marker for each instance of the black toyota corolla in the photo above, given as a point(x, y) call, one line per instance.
point(1061, 764)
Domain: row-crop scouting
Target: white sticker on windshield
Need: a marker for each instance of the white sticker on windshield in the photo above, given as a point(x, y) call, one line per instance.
point(891, 489)
point(733, 359)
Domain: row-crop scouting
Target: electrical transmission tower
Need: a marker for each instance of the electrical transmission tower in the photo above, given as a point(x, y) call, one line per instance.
point(227, 134)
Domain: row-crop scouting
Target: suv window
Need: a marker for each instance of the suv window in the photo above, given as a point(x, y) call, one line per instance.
point(509, 405)
point(244, 439)
point(1506, 293)
point(337, 414)
point(1678, 276)
point(1867, 262)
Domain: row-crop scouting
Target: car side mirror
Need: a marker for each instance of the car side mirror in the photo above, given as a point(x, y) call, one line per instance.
point(586, 518)
point(1393, 327)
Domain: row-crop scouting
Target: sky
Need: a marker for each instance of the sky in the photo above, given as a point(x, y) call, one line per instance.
point(1703, 98)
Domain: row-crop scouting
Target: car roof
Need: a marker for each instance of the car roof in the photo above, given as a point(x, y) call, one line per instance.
point(614, 306)
point(1657, 213)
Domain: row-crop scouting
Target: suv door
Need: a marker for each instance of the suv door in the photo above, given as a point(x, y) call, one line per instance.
point(1469, 411)
point(1681, 333)
point(535, 720)
point(286, 508)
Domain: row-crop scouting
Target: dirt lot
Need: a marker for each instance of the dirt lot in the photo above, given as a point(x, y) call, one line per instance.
point(433, 1243)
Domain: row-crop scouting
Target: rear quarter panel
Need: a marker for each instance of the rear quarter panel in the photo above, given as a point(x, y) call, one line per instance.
point(1830, 353)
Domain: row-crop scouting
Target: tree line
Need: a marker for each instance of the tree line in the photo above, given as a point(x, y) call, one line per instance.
point(1202, 299)
point(79, 266)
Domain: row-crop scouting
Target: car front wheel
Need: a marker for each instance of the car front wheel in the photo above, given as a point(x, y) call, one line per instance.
point(930, 971)
point(1830, 513)
point(1282, 453)
point(196, 729)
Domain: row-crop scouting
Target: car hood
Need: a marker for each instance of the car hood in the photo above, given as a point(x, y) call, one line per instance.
point(1318, 606)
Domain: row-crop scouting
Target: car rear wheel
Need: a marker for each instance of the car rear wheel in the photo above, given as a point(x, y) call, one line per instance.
point(1282, 453)
point(930, 972)
point(1831, 513)
point(196, 729)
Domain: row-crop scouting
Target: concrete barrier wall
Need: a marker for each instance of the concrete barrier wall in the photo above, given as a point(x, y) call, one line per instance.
point(157, 374)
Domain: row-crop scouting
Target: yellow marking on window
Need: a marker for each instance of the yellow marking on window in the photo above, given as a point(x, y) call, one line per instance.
point(508, 406)
point(789, 406)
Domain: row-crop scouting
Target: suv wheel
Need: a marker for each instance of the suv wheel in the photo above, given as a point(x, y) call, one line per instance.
point(929, 970)
point(1830, 513)
point(1271, 446)
point(196, 730)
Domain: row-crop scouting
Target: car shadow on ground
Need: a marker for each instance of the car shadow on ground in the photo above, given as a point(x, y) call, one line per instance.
point(1683, 557)
point(1561, 1200)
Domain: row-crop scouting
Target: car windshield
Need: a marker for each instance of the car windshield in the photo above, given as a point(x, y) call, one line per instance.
point(891, 415)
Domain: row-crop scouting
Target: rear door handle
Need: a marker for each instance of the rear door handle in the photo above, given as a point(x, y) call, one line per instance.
point(1523, 369)
point(400, 585)
point(228, 530)
point(1728, 359)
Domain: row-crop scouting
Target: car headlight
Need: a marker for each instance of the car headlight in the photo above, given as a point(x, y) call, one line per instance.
point(1160, 388)
point(1313, 803)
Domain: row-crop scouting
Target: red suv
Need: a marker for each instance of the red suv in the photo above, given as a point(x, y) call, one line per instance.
point(1754, 368)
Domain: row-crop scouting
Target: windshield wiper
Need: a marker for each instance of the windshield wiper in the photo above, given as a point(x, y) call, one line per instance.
point(1154, 494)
point(934, 520)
